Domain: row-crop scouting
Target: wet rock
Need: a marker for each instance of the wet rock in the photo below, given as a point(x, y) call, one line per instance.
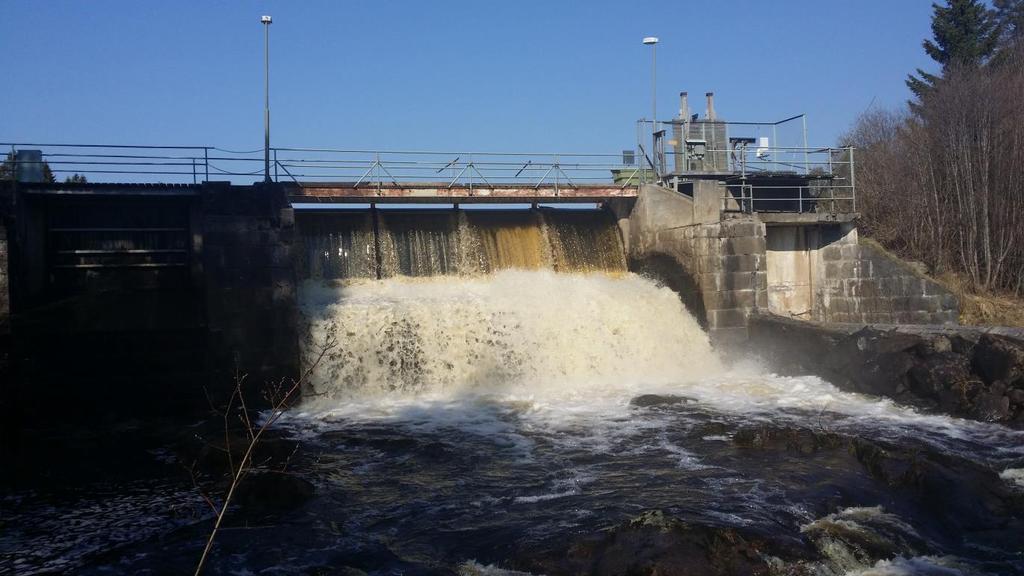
point(894, 468)
point(1016, 397)
point(266, 491)
point(965, 373)
point(855, 538)
point(992, 407)
point(939, 344)
point(999, 358)
point(973, 497)
point(933, 375)
point(656, 544)
point(649, 400)
point(873, 361)
point(793, 439)
point(711, 429)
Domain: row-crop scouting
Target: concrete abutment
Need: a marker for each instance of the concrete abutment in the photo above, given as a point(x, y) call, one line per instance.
point(805, 266)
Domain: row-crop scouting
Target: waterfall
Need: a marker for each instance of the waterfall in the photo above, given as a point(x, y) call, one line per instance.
point(341, 245)
point(513, 330)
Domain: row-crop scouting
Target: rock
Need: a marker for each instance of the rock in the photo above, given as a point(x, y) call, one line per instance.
point(959, 396)
point(655, 544)
point(791, 439)
point(999, 358)
point(872, 361)
point(992, 407)
point(855, 538)
point(973, 496)
point(266, 491)
point(1016, 397)
point(648, 400)
point(960, 371)
point(963, 344)
point(937, 344)
point(933, 375)
point(895, 469)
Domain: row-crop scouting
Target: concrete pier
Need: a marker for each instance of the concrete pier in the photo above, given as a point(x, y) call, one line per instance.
point(806, 266)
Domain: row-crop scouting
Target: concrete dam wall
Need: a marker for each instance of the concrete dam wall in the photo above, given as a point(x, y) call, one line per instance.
point(728, 265)
point(199, 281)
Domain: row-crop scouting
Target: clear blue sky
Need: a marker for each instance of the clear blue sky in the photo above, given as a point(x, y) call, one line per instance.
point(499, 76)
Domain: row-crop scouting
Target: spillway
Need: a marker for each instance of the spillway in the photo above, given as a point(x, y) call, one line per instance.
point(338, 245)
point(501, 377)
point(506, 398)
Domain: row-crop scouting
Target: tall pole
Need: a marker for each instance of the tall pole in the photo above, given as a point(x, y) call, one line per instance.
point(654, 87)
point(267, 21)
point(652, 41)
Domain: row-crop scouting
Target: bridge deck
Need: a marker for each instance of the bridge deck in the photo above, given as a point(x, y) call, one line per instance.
point(439, 192)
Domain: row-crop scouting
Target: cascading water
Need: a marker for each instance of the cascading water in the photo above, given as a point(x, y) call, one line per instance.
point(504, 397)
point(515, 330)
point(524, 375)
point(341, 245)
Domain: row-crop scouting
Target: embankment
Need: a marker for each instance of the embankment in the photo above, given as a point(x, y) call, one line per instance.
point(975, 373)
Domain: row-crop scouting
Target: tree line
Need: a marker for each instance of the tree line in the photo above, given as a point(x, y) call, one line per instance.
point(941, 180)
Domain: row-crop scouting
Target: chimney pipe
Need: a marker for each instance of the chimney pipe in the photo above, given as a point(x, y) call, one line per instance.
point(684, 107)
point(711, 105)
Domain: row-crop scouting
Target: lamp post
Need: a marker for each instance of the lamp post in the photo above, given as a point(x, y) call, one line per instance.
point(652, 41)
point(267, 21)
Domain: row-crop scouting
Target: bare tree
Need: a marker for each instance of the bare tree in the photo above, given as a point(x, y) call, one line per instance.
point(279, 397)
point(943, 185)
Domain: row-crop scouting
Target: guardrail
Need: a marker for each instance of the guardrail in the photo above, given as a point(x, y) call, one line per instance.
point(827, 172)
point(184, 164)
point(823, 197)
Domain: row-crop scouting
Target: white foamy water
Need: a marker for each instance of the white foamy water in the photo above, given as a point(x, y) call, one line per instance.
point(527, 331)
point(560, 352)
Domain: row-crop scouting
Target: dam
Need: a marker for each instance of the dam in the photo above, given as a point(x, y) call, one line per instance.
point(551, 375)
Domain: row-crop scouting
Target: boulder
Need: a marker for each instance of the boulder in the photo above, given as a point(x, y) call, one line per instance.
point(992, 407)
point(999, 358)
point(791, 439)
point(932, 376)
point(648, 400)
point(656, 544)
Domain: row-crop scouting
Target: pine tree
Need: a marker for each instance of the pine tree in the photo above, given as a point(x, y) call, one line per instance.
point(965, 33)
point(1009, 14)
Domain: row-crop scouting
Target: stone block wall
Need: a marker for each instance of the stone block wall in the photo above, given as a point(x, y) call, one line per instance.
point(247, 236)
point(720, 263)
point(859, 283)
point(726, 266)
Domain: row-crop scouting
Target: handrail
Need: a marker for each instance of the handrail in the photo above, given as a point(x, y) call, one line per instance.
point(830, 168)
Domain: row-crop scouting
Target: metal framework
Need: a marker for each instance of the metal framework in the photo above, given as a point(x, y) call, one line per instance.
point(183, 164)
point(826, 172)
point(748, 166)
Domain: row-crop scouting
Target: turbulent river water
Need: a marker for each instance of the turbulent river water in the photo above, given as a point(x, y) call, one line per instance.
point(491, 423)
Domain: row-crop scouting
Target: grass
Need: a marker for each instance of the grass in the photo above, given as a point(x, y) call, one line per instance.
point(983, 308)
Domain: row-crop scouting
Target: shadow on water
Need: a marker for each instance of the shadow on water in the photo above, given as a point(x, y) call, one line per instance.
point(421, 484)
point(526, 421)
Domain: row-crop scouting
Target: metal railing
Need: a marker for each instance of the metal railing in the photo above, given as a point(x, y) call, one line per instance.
point(194, 164)
point(827, 173)
point(826, 197)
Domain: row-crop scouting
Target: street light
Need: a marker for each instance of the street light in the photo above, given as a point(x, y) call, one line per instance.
point(267, 21)
point(652, 41)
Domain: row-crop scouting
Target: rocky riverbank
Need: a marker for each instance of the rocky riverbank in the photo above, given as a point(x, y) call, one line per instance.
point(965, 372)
point(980, 510)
